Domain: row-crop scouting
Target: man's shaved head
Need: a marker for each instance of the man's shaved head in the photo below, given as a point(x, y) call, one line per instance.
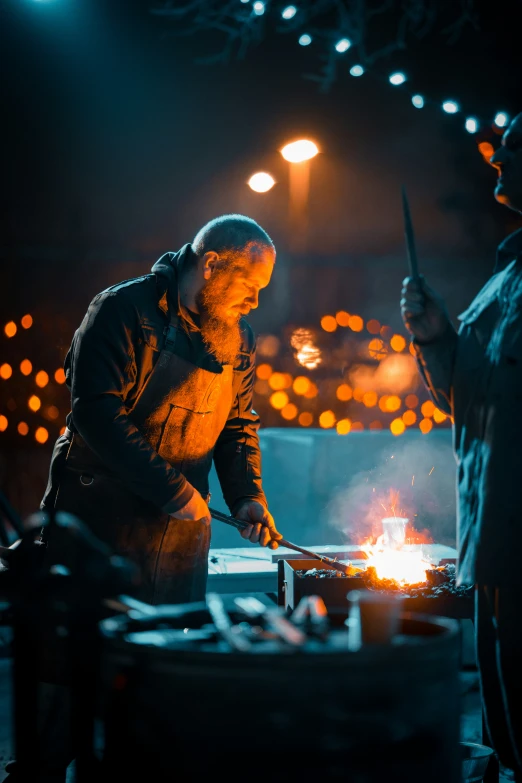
point(232, 237)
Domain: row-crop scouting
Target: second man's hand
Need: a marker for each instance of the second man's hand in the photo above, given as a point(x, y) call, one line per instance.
point(423, 310)
point(261, 528)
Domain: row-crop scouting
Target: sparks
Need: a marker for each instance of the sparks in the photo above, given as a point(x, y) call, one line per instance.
point(384, 507)
point(431, 471)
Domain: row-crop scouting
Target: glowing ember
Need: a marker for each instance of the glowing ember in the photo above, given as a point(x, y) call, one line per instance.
point(391, 560)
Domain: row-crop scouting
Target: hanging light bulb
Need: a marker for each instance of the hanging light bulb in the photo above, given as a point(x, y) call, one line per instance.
point(450, 107)
point(289, 12)
point(501, 119)
point(343, 45)
point(397, 78)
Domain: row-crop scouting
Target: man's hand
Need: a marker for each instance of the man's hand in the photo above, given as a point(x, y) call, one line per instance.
point(262, 527)
point(195, 510)
point(423, 310)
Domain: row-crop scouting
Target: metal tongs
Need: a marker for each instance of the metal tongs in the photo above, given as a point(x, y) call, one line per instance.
point(240, 525)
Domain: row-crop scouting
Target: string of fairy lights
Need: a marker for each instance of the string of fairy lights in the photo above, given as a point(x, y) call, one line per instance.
point(297, 398)
point(398, 79)
point(18, 415)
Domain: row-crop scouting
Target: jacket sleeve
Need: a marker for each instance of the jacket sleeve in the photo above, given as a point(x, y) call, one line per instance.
point(237, 455)
point(102, 370)
point(436, 362)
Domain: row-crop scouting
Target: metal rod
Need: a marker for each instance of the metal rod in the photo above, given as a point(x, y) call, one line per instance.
point(239, 524)
point(410, 237)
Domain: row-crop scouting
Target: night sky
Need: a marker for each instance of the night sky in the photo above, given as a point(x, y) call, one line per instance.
point(119, 146)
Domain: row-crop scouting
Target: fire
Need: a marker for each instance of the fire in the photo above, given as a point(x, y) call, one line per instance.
point(392, 558)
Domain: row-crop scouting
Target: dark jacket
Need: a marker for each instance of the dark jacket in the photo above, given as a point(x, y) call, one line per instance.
point(110, 359)
point(475, 375)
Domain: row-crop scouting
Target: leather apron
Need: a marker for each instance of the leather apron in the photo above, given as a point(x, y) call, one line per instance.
point(181, 412)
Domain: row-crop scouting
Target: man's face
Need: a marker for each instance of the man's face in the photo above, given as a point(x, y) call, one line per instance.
point(228, 293)
point(508, 162)
point(231, 293)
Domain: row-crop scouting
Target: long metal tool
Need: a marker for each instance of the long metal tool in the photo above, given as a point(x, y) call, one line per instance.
point(240, 525)
point(410, 237)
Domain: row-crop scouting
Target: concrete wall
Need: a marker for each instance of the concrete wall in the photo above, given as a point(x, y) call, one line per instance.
point(327, 489)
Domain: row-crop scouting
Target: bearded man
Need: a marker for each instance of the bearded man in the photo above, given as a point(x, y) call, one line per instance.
point(161, 373)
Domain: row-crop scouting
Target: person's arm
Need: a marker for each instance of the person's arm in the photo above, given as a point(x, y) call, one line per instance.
point(434, 339)
point(237, 458)
point(237, 455)
point(103, 370)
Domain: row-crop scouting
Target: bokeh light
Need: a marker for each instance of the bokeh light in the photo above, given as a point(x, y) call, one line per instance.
point(357, 426)
point(343, 426)
point(280, 380)
point(393, 403)
point(305, 419)
point(289, 12)
point(41, 379)
point(418, 101)
point(3, 423)
point(312, 392)
point(411, 401)
point(356, 70)
point(41, 435)
point(327, 419)
point(278, 400)
point(356, 323)
point(22, 428)
point(289, 412)
point(27, 321)
point(59, 376)
point(427, 409)
point(398, 343)
point(373, 326)
point(264, 371)
point(268, 345)
point(377, 349)
point(10, 329)
point(439, 416)
point(26, 367)
point(370, 399)
point(397, 427)
point(301, 384)
point(501, 119)
point(344, 392)
point(328, 323)
point(52, 412)
point(35, 403)
point(376, 425)
point(409, 417)
point(343, 45)
point(450, 107)
point(261, 182)
point(342, 318)
point(358, 394)
point(299, 151)
point(305, 40)
point(6, 371)
point(425, 426)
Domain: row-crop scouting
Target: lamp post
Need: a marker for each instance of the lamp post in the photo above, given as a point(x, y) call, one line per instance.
point(299, 154)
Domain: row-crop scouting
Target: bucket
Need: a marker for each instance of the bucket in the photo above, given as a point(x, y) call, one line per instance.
point(475, 759)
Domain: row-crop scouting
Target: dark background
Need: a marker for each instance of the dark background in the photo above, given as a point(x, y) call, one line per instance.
point(118, 146)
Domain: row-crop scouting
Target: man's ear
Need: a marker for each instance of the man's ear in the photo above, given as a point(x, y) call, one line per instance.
point(209, 261)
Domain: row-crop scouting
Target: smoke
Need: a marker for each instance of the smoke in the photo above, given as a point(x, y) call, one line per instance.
point(413, 480)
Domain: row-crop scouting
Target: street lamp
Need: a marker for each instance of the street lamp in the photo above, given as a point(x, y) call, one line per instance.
point(261, 182)
point(299, 154)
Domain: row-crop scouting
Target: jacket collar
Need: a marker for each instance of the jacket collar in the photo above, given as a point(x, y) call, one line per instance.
point(167, 271)
point(508, 250)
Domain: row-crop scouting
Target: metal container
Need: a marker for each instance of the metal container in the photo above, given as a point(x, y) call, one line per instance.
point(292, 587)
point(384, 713)
point(475, 759)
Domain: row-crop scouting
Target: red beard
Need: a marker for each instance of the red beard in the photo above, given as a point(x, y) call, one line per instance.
point(221, 336)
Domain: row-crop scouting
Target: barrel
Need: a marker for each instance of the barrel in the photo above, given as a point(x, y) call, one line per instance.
point(176, 711)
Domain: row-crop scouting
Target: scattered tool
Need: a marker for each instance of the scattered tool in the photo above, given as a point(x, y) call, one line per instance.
point(240, 525)
point(224, 625)
point(274, 618)
point(410, 237)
